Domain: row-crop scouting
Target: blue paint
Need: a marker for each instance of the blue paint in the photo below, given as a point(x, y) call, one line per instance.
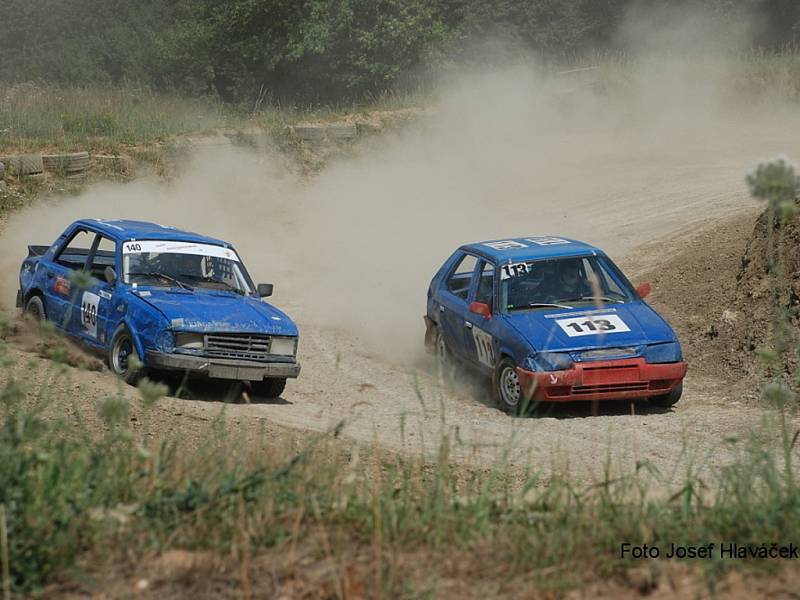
point(543, 338)
point(154, 311)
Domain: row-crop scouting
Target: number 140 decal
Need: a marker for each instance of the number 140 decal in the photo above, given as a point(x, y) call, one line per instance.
point(592, 325)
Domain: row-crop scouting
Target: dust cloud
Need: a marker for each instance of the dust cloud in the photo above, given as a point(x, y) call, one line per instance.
point(504, 152)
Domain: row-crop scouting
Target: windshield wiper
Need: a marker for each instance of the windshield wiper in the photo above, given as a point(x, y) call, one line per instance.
point(163, 276)
point(601, 298)
point(538, 305)
point(212, 280)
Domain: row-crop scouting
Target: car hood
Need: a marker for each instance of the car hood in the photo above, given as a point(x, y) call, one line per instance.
point(549, 330)
point(212, 311)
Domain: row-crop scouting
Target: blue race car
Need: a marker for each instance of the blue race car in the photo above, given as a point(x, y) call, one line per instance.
point(551, 319)
point(173, 300)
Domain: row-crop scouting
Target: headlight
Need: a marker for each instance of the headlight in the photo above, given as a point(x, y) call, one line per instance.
point(283, 346)
point(549, 361)
point(663, 353)
point(189, 341)
point(165, 342)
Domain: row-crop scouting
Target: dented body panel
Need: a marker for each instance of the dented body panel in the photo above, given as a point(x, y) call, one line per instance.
point(210, 331)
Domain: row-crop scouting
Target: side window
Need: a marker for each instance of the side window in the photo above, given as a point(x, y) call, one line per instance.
point(485, 291)
point(461, 278)
point(103, 257)
point(73, 254)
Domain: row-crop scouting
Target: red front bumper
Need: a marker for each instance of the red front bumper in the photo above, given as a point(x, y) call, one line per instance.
point(602, 380)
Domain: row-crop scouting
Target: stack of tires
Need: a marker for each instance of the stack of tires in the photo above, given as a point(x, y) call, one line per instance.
point(72, 166)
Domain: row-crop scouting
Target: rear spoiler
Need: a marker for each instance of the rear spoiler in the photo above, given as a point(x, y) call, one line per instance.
point(37, 250)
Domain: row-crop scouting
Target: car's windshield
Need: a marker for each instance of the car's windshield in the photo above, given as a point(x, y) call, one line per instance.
point(562, 283)
point(184, 264)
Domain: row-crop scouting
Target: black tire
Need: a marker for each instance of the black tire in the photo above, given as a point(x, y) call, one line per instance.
point(34, 309)
point(670, 399)
point(506, 389)
point(120, 352)
point(446, 364)
point(270, 387)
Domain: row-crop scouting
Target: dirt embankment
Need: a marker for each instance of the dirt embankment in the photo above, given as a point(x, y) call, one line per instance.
point(728, 308)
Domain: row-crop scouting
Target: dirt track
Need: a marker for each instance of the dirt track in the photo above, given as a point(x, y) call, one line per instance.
point(405, 409)
point(661, 213)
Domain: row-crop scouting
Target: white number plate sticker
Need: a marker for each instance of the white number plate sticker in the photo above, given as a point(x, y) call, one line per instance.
point(592, 325)
point(89, 303)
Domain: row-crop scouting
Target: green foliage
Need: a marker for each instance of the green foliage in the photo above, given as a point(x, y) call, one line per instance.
point(774, 182)
point(308, 51)
point(67, 490)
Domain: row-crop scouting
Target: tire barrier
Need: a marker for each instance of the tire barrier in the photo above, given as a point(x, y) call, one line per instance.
point(66, 164)
point(342, 131)
point(117, 164)
point(24, 165)
point(309, 132)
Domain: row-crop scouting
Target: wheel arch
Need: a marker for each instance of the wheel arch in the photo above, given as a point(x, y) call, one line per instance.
point(34, 291)
point(135, 336)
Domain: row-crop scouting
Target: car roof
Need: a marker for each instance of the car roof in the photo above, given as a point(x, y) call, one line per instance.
point(530, 248)
point(123, 229)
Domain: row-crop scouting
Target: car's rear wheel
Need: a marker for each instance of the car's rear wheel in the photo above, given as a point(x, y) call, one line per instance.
point(507, 388)
point(670, 399)
point(270, 388)
point(34, 309)
point(445, 361)
point(123, 359)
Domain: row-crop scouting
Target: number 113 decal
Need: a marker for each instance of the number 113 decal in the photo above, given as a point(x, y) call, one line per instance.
point(592, 325)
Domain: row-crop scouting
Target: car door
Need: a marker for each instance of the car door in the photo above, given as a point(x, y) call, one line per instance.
point(479, 342)
point(60, 290)
point(93, 304)
point(453, 294)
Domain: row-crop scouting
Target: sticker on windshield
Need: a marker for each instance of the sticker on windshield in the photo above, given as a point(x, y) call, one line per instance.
point(164, 246)
point(514, 270)
point(89, 303)
point(592, 325)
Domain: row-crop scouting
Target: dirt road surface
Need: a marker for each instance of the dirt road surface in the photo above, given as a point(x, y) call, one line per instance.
point(657, 214)
point(406, 409)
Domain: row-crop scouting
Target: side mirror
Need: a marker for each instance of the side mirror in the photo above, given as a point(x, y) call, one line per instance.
point(644, 290)
point(265, 289)
point(480, 308)
point(111, 275)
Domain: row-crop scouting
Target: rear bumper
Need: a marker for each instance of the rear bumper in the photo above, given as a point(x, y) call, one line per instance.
point(603, 380)
point(222, 368)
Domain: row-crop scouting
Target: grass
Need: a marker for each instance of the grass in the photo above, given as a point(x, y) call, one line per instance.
point(71, 118)
point(91, 489)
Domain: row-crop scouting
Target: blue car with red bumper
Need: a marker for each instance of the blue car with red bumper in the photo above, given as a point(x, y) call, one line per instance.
point(149, 296)
point(551, 319)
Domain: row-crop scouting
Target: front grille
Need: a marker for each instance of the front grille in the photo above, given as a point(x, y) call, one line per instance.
point(638, 386)
point(237, 345)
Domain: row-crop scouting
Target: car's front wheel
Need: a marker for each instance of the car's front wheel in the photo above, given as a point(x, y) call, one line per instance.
point(123, 359)
point(270, 388)
point(34, 309)
point(507, 388)
point(670, 399)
